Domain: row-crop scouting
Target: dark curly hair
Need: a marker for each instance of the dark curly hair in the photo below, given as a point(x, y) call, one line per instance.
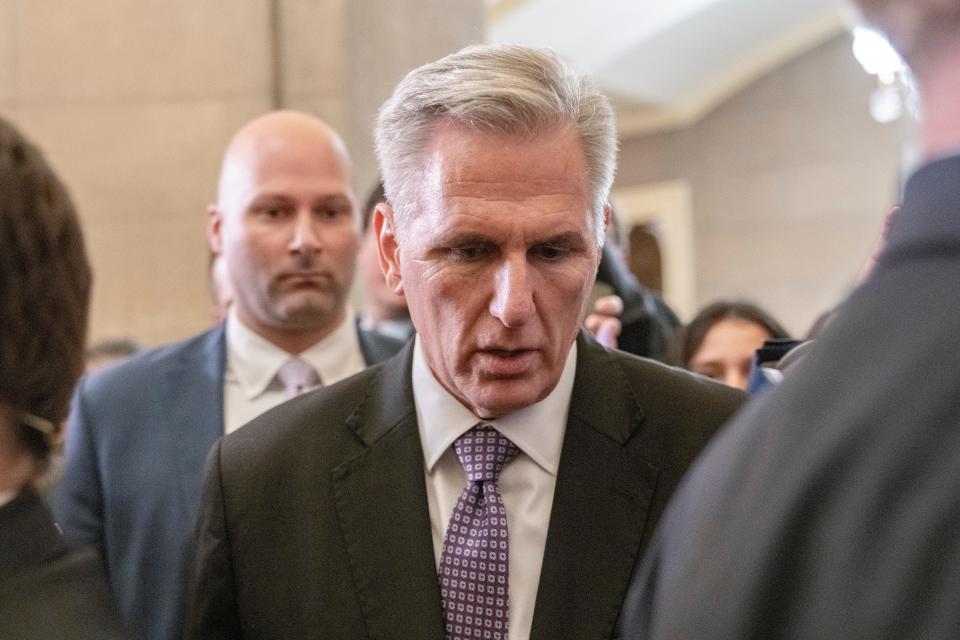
point(45, 285)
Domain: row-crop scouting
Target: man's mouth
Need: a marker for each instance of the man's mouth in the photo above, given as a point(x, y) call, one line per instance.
point(305, 277)
point(506, 362)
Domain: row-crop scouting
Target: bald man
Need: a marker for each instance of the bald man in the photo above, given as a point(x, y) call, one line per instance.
point(286, 223)
point(831, 507)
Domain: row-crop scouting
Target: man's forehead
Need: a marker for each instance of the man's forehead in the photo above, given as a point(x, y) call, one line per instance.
point(464, 162)
point(285, 173)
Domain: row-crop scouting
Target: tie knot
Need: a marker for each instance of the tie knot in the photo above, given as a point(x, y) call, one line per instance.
point(297, 376)
point(483, 451)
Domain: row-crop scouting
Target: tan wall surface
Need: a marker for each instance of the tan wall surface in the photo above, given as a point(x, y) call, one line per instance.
point(790, 180)
point(133, 101)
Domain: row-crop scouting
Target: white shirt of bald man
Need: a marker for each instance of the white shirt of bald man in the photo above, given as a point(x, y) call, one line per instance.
point(250, 386)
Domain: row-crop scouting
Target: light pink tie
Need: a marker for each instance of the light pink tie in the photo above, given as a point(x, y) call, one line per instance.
point(298, 376)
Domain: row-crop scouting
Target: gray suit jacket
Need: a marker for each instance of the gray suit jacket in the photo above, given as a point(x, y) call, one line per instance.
point(138, 435)
point(314, 522)
point(831, 508)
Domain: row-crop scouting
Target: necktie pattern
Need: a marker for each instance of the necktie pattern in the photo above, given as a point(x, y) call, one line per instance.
point(297, 376)
point(474, 565)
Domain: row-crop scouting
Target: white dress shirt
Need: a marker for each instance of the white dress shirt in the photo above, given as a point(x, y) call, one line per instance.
point(250, 386)
point(526, 483)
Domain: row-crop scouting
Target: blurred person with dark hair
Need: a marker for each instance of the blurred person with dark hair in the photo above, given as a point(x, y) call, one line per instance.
point(109, 352)
point(286, 228)
point(646, 323)
point(383, 309)
point(721, 340)
point(46, 590)
point(830, 508)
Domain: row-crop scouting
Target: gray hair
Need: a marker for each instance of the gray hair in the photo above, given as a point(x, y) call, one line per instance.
point(499, 89)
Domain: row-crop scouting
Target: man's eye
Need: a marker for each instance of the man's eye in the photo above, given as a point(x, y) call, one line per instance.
point(470, 253)
point(550, 252)
point(270, 212)
point(709, 372)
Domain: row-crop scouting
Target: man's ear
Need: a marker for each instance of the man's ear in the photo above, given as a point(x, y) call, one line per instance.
point(214, 229)
point(388, 247)
point(606, 215)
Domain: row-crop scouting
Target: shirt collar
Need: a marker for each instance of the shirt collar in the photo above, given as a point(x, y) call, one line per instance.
point(255, 361)
point(537, 430)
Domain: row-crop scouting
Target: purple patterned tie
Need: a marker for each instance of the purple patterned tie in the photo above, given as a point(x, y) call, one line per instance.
point(474, 567)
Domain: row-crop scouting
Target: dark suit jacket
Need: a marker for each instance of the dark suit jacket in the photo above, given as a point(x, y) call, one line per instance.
point(831, 509)
point(138, 435)
point(47, 591)
point(315, 523)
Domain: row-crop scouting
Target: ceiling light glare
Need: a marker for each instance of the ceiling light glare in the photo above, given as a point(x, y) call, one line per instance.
point(875, 54)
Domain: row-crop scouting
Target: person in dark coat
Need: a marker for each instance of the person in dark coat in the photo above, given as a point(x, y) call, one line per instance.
point(46, 590)
point(831, 507)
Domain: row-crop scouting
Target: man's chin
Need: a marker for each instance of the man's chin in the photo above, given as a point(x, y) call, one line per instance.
point(503, 397)
point(311, 314)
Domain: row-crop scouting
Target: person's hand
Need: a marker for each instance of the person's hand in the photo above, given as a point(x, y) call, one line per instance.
point(604, 322)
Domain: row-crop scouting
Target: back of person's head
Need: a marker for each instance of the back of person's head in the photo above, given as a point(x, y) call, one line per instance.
point(45, 285)
point(690, 338)
point(498, 89)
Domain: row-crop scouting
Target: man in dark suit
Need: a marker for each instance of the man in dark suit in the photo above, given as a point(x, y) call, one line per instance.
point(286, 224)
point(499, 477)
point(831, 509)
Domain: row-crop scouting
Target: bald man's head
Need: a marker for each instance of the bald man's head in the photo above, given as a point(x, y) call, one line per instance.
point(268, 138)
point(287, 225)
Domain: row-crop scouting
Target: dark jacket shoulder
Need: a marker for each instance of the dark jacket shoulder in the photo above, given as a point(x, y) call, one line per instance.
point(335, 421)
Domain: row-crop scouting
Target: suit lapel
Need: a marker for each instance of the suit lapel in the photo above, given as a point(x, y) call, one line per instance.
point(600, 506)
point(382, 508)
point(193, 396)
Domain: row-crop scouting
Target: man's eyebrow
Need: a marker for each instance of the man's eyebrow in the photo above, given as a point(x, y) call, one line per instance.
point(463, 237)
point(567, 238)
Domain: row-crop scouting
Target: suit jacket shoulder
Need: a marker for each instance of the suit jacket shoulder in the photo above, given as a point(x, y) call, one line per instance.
point(282, 518)
point(634, 428)
point(675, 412)
point(144, 370)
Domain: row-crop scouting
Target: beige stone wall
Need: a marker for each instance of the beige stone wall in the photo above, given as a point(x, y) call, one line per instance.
point(790, 180)
point(134, 100)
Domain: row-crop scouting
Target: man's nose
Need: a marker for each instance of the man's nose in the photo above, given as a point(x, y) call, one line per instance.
point(305, 238)
point(512, 301)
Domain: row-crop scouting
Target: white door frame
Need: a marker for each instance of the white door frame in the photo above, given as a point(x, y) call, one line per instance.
point(667, 206)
